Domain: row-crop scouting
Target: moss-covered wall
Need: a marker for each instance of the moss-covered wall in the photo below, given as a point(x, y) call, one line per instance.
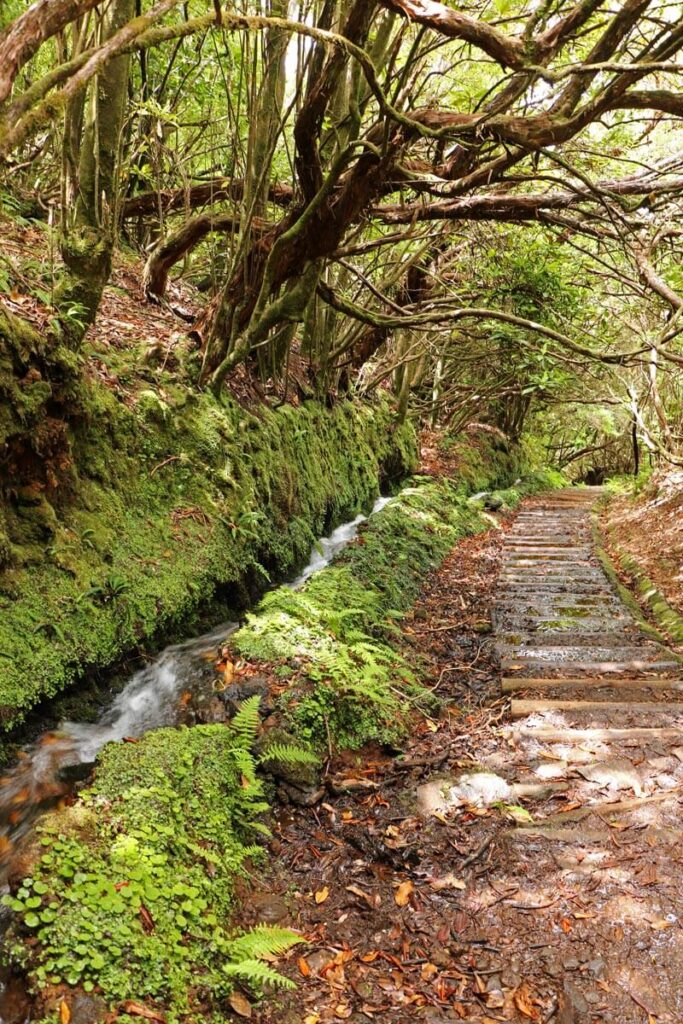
point(155, 501)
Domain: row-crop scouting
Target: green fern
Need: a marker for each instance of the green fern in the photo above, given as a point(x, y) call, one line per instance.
point(245, 724)
point(258, 974)
point(289, 754)
point(262, 941)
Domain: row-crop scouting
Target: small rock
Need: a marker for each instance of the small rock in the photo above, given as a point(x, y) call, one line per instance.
point(71, 773)
point(576, 998)
point(87, 1009)
point(317, 959)
point(301, 797)
point(596, 967)
point(270, 908)
point(570, 963)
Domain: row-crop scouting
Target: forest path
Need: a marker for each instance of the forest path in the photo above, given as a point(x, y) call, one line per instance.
point(521, 861)
point(596, 711)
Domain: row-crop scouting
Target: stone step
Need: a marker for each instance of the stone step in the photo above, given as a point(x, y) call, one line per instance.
point(523, 708)
point(583, 836)
point(553, 734)
point(603, 808)
point(572, 666)
point(512, 683)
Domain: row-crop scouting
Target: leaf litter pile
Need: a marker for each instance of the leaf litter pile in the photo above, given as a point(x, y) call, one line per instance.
point(414, 911)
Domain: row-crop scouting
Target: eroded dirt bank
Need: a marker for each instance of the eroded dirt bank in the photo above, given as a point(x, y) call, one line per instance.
point(645, 535)
point(544, 890)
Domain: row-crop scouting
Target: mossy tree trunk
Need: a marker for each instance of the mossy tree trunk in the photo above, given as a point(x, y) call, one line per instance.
point(88, 240)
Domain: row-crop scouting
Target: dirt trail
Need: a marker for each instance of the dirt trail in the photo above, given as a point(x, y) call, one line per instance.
point(521, 861)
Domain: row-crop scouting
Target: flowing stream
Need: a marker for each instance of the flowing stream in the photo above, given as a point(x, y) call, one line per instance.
point(151, 699)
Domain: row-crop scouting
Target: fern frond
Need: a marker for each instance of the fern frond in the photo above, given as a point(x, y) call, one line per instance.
point(246, 722)
point(263, 941)
point(258, 974)
point(289, 754)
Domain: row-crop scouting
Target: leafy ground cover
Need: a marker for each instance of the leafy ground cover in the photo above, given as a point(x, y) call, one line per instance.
point(132, 893)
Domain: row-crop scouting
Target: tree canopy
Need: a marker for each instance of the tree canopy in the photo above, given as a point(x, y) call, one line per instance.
point(479, 206)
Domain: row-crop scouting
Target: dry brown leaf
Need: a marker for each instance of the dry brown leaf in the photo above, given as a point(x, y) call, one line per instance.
point(322, 894)
point(660, 924)
point(240, 1004)
point(403, 893)
point(372, 901)
point(448, 881)
point(303, 966)
point(312, 1018)
point(138, 1010)
point(342, 1010)
point(147, 919)
point(524, 1002)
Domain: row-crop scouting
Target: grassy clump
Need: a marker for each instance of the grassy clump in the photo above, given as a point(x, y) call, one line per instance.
point(134, 890)
point(351, 685)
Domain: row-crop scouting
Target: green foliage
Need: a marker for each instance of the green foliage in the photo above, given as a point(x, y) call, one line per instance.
point(289, 754)
point(348, 683)
point(133, 892)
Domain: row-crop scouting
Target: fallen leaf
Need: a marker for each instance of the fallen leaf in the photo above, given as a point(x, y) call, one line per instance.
point(372, 901)
point(648, 876)
point(312, 1018)
point(342, 1010)
point(524, 1002)
point(240, 1004)
point(660, 924)
point(64, 1012)
point(448, 881)
point(228, 672)
point(322, 894)
point(138, 1010)
point(566, 925)
point(403, 893)
point(304, 969)
point(428, 971)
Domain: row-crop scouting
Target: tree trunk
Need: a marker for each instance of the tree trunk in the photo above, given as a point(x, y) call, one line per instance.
point(88, 242)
